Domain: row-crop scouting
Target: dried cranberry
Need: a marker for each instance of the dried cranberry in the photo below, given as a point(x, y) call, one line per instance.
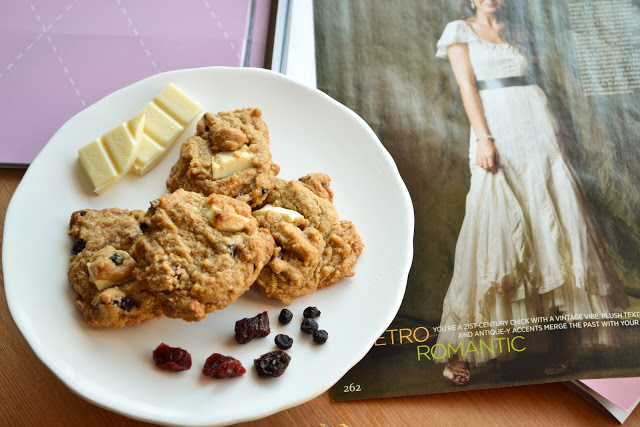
point(284, 342)
point(78, 246)
point(285, 316)
point(309, 326)
point(252, 327)
point(272, 364)
point(219, 366)
point(320, 336)
point(311, 312)
point(171, 358)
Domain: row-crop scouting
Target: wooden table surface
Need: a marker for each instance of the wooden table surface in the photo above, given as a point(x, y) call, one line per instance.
point(30, 395)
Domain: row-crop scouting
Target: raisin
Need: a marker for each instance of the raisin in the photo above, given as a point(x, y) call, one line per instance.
point(284, 342)
point(144, 226)
point(78, 246)
point(285, 316)
point(265, 190)
point(171, 358)
point(311, 312)
point(117, 258)
point(309, 326)
point(232, 249)
point(220, 366)
point(272, 364)
point(252, 327)
point(320, 336)
point(125, 303)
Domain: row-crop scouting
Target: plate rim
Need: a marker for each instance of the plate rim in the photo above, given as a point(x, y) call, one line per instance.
point(29, 332)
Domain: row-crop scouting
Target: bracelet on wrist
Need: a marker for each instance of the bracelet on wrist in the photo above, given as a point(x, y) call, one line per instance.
point(484, 137)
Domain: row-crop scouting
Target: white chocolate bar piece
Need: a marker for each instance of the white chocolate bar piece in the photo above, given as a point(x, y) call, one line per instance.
point(107, 158)
point(166, 118)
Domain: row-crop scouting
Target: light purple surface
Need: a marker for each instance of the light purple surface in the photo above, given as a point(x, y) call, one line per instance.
point(59, 56)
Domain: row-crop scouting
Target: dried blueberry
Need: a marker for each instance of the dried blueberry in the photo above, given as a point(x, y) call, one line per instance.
point(125, 303)
point(171, 358)
point(78, 246)
point(309, 326)
point(320, 336)
point(285, 316)
point(284, 342)
point(117, 258)
point(252, 327)
point(311, 312)
point(220, 366)
point(272, 364)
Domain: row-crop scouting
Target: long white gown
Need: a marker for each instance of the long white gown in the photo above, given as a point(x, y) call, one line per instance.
point(528, 245)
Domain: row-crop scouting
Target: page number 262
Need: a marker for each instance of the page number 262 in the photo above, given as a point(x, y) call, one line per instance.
point(351, 388)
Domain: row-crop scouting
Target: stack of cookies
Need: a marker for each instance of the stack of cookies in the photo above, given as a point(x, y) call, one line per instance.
point(229, 222)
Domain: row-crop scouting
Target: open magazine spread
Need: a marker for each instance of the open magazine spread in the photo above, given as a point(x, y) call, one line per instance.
point(520, 149)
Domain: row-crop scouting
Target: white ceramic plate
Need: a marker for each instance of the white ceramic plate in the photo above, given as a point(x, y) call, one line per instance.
point(309, 132)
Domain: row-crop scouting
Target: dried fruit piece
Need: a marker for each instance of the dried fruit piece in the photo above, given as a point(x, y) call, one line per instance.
point(252, 327)
point(309, 326)
point(320, 336)
point(284, 342)
point(78, 246)
point(125, 303)
point(171, 358)
point(220, 366)
point(311, 312)
point(272, 364)
point(285, 316)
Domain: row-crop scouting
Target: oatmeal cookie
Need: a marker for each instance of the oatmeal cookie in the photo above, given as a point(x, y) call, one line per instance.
point(314, 248)
point(228, 155)
point(101, 268)
point(199, 253)
point(319, 183)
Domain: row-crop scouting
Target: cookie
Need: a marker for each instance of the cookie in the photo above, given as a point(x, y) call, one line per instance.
point(319, 183)
point(228, 155)
point(199, 253)
point(314, 248)
point(101, 269)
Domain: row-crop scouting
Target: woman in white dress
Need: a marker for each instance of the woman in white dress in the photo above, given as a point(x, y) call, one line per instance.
point(528, 246)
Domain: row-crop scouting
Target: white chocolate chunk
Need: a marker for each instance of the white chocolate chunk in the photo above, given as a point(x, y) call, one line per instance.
point(103, 284)
point(286, 214)
point(108, 158)
point(165, 119)
point(226, 221)
point(227, 163)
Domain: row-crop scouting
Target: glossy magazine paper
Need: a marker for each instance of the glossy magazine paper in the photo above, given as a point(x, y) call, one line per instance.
point(526, 268)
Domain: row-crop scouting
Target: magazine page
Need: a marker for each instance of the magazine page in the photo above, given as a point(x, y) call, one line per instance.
point(515, 126)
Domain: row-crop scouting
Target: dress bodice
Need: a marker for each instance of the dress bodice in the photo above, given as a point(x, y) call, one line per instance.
point(489, 60)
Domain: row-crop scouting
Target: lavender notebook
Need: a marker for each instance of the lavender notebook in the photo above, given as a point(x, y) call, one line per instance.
point(59, 56)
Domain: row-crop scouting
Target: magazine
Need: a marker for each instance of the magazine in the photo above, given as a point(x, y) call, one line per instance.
point(520, 150)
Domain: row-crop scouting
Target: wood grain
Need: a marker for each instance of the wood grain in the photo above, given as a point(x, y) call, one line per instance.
point(31, 395)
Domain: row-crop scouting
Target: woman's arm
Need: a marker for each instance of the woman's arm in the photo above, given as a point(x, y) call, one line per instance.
point(486, 154)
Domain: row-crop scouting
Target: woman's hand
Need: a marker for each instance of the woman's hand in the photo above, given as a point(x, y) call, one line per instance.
point(487, 156)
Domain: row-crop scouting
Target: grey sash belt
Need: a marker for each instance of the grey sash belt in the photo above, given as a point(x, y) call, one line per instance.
point(504, 82)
